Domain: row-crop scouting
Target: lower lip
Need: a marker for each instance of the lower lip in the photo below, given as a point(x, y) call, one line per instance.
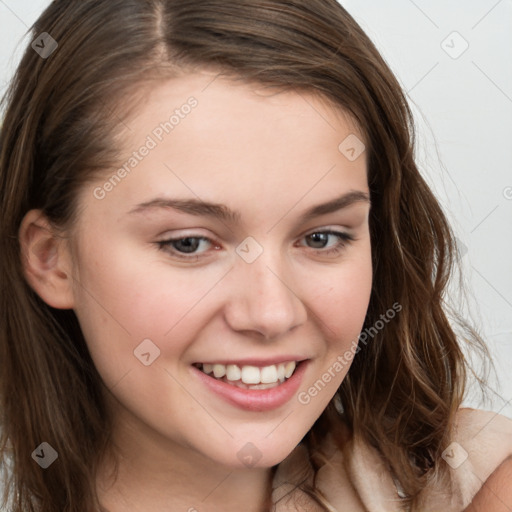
point(255, 399)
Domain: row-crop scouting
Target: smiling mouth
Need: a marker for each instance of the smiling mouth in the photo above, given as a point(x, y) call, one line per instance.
point(250, 377)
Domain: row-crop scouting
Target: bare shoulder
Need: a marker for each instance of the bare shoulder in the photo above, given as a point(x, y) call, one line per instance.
point(486, 432)
point(496, 493)
point(483, 445)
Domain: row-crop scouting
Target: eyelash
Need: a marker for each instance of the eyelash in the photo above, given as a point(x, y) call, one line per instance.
point(343, 240)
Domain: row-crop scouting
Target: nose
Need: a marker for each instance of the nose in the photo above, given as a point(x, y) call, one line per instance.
point(263, 298)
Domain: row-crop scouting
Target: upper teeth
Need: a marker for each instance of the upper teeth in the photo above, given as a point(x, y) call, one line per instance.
point(251, 374)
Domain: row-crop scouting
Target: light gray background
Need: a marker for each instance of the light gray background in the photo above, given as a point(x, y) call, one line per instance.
point(463, 108)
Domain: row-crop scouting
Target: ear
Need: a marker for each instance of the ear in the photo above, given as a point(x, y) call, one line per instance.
point(46, 260)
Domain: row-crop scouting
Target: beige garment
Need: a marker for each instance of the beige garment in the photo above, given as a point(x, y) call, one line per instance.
point(357, 480)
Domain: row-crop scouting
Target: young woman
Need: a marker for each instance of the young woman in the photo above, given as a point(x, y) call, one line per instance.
point(222, 275)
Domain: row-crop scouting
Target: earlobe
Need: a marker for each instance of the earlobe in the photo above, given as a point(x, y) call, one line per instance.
point(46, 260)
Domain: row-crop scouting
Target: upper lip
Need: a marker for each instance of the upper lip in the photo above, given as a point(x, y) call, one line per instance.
point(256, 362)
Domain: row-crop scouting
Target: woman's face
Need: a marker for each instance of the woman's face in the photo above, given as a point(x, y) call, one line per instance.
point(249, 281)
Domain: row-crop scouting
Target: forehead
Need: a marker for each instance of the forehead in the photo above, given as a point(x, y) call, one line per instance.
point(212, 138)
point(227, 110)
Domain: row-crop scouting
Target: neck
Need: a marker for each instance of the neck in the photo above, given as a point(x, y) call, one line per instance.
point(160, 475)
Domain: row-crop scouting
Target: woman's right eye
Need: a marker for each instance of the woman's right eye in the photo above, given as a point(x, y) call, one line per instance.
point(185, 245)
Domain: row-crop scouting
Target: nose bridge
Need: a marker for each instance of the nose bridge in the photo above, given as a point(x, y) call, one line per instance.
point(265, 299)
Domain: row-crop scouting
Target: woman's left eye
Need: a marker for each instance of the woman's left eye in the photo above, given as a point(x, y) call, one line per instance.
point(186, 247)
point(343, 239)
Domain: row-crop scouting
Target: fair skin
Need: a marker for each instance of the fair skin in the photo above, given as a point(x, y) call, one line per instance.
point(271, 157)
point(496, 493)
point(124, 290)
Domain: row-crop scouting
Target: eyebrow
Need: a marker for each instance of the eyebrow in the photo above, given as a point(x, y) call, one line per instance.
point(222, 212)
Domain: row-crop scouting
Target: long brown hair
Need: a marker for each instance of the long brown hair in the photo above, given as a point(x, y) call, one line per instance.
point(62, 113)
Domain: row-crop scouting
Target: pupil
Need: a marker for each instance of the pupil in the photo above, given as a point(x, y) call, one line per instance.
point(189, 247)
point(319, 237)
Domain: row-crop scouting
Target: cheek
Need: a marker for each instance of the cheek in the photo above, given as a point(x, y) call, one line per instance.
point(344, 301)
point(121, 304)
point(340, 314)
point(113, 303)
point(341, 310)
